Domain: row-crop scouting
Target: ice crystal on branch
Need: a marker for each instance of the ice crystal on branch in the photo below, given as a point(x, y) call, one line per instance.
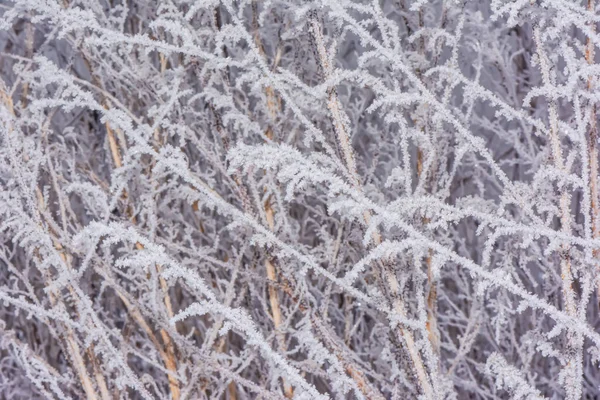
point(299, 199)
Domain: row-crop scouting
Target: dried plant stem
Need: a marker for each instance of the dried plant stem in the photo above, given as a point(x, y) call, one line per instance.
point(72, 347)
point(573, 367)
point(273, 107)
point(338, 349)
point(141, 321)
point(169, 357)
point(593, 147)
point(74, 354)
point(343, 139)
point(66, 259)
point(73, 350)
point(432, 327)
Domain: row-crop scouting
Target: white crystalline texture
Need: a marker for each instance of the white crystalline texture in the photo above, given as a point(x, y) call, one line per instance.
point(341, 199)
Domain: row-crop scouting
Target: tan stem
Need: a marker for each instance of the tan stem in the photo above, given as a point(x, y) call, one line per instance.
point(573, 365)
point(593, 147)
point(352, 369)
point(432, 328)
point(97, 368)
point(91, 353)
point(343, 138)
point(273, 107)
point(170, 360)
point(72, 347)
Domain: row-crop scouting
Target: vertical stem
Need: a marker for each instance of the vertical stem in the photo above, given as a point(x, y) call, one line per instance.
point(73, 351)
point(170, 360)
point(273, 109)
point(341, 130)
point(432, 327)
point(169, 357)
point(573, 367)
point(593, 145)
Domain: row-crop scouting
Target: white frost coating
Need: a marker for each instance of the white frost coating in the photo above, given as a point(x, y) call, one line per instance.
point(299, 199)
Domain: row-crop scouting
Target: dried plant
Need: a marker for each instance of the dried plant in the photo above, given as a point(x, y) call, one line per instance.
point(340, 199)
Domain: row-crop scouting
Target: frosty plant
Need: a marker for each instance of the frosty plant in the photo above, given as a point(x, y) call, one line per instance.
point(341, 199)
